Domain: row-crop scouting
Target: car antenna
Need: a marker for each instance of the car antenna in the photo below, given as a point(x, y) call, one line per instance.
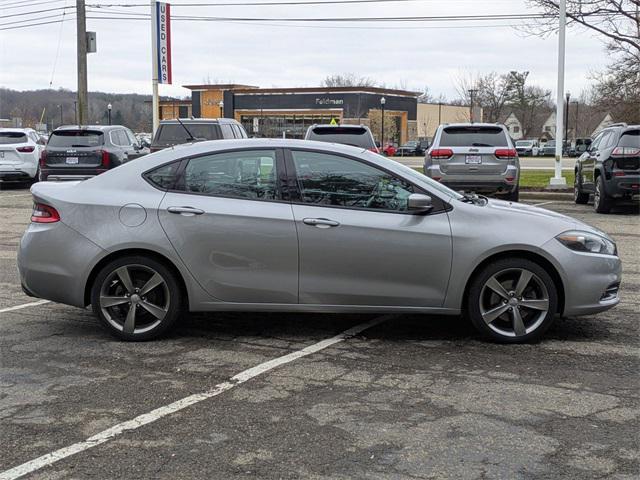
point(186, 130)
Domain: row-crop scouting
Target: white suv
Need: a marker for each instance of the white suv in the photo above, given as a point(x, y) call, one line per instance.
point(20, 150)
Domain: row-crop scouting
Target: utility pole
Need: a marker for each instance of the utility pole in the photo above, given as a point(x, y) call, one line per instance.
point(472, 92)
point(81, 34)
point(558, 181)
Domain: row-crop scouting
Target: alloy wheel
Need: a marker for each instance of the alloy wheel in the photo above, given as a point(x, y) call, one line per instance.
point(597, 195)
point(514, 302)
point(134, 299)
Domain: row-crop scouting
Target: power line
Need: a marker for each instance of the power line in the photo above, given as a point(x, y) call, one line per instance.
point(22, 14)
point(12, 6)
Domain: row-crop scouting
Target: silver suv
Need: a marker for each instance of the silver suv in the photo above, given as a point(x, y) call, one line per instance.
point(475, 157)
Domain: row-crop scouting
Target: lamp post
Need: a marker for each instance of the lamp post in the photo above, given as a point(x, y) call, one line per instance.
point(472, 92)
point(221, 105)
point(382, 102)
point(558, 181)
point(60, 108)
point(109, 107)
point(566, 121)
point(577, 102)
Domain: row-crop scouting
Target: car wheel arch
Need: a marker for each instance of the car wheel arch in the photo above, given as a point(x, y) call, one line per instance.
point(524, 254)
point(128, 252)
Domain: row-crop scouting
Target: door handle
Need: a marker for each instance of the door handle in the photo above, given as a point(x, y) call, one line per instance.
point(186, 211)
point(321, 222)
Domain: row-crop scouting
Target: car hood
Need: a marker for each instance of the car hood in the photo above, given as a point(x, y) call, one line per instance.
point(501, 207)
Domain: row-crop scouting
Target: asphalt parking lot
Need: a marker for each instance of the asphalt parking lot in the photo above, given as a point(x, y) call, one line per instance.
point(409, 397)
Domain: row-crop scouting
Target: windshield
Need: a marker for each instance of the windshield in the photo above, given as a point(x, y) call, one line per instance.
point(174, 133)
point(524, 143)
point(354, 136)
point(550, 143)
point(7, 138)
point(472, 136)
point(76, 138)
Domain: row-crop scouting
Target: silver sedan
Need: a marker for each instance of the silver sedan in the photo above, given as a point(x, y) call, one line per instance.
point(286, 225)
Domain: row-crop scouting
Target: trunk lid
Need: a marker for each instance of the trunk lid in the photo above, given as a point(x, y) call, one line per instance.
point(73, 148)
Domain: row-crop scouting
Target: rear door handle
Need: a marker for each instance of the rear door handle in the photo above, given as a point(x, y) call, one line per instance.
point(321, 222)
point(186, 211)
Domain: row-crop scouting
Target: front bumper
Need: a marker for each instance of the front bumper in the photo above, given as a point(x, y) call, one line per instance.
point(476, 182)
point(54, 262)
point(590, 281)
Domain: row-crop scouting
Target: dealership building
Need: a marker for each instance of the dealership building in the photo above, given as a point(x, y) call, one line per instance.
point(277, 112)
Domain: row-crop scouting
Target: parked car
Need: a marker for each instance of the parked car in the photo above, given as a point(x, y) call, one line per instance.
point(187, 130)
point(354, 135)
point(412, 148)
point(549, 149)
point(389, 150)
point(580, 146)
point(289, 225)
point(78, 153)
point(528, 148)
point(477, 157)
point(20, 150)
point(610, 168)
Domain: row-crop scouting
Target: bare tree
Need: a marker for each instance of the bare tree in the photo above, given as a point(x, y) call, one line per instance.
point(491, 92)
point(528, 102)
point(347, 80)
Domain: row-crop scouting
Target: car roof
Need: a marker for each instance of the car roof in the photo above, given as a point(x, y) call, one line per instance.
point(103, 128)
point(197, 120)
point(16, 129)
point(474, 124)
point(340, 125)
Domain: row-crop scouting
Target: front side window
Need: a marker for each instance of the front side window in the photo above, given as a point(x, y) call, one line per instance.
point(249, 175)
point(332, 180)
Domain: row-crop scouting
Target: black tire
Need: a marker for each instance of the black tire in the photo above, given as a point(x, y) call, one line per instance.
point(155, 311)
point(513, 196)
point(602, 203)
point(580, 197)
point(483, 302)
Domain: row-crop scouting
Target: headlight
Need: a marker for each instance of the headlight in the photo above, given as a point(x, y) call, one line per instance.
point(587, 242)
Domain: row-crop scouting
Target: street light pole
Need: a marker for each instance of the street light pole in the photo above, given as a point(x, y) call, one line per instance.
point(577, 102)
point(109, 106)
point(558, 181)
point(60, 107)
point(566, 120)
point(382, 102)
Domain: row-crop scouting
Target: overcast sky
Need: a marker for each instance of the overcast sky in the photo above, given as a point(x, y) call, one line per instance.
point(398, 54)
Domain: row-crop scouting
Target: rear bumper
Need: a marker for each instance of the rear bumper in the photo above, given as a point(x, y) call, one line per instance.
point(479, 183)
point(54, 262)
point(18, 172)
point(61, 174)
point(625, 186)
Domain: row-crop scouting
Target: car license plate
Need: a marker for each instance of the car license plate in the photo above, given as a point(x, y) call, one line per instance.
point(72, 160)
point(473, 159)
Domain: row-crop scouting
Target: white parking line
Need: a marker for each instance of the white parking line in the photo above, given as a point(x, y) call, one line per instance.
point(543, 203)
point(178, 405)
point(24, 305)
point(18, 195)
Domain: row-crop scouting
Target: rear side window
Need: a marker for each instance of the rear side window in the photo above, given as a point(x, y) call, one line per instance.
point(473, 137)
point(76, 138)
point(354, 136)
point(7, 138)
point(174, 133)
point(630, 138)
point(163, 177)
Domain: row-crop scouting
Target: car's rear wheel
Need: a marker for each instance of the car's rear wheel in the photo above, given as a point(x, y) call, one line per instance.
point(136, 298)
point(513, 196)
point(512, 300)
point(602, 203)
point(579, 196)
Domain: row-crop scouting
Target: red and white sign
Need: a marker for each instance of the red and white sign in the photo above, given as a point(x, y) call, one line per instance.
point(163, 42)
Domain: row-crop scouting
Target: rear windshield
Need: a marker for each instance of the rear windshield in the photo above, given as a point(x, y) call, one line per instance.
point(473, 137)
point(7, 138)
point(630, 138)
point(583, 141)
point(76, 138)
point(524, 143)
point(174, 133)
point(356, 136)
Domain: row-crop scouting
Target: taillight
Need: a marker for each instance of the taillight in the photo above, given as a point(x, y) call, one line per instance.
point(105, 159)
point(626, 152)
point(441, 153)
point(44, 214)
point(506, 153)
point(43, 158)
point(27, 149)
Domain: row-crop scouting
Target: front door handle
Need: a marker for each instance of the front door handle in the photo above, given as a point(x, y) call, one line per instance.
point(320, 222)
point(186, 211)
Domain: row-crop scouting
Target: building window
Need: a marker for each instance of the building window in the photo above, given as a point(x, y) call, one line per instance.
point(516, 129)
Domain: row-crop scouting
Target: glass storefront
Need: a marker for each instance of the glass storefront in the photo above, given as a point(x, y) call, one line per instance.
point(292, 125)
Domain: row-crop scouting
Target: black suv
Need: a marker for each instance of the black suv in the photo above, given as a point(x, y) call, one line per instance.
point(185, 130)
point(610, 168)
point(78, 153)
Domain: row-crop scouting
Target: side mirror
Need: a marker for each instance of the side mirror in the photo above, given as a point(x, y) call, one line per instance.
point(419, 203)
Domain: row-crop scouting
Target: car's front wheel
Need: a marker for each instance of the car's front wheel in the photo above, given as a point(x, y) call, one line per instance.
point(136, 298)
point(512, 300)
